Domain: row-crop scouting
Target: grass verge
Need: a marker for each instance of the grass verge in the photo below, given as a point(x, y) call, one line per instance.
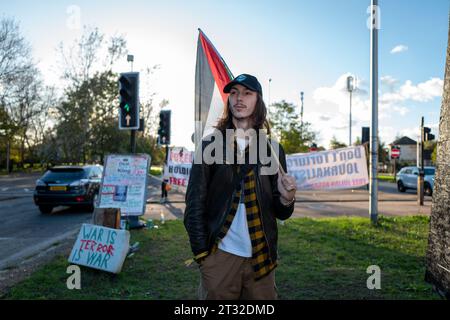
point(319, 259)
point(386, 178)
point(155, 170)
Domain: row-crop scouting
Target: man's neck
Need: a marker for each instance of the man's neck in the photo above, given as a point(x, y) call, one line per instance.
point(243, 124)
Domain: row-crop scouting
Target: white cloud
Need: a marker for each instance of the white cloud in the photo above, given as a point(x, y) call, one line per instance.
point(399, 48)
point(389, 82)
point(422, 92)
point(331, 115)
point(400, 110)
point(337, 95)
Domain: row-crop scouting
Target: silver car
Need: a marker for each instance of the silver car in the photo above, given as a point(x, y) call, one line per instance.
point(407, 179)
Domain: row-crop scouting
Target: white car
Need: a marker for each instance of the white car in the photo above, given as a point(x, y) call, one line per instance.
point(407, 179)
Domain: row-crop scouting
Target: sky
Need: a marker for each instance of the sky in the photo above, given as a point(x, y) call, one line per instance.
point(302, 45)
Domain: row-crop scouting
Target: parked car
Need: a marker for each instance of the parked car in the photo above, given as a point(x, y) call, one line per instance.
point(68, 186)
point(407, 179)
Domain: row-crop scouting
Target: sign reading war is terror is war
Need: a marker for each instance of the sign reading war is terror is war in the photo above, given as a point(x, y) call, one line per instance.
point(332, 169)
point(179, 166)
point(100, 248)
point(124, 183)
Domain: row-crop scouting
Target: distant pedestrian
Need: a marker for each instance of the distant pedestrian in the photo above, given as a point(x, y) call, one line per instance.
point(165, 186)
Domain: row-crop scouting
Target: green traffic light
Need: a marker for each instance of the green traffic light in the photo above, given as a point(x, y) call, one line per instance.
point(127, 107)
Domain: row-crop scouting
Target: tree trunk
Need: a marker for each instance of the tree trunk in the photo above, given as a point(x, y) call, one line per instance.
point(22, 152)
point(438, 252)
point(8, 157)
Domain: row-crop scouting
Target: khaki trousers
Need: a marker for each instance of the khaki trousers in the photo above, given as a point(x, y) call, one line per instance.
point(225, 276)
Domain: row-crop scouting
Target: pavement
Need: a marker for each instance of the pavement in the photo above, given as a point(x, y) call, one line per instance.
point(314, 204)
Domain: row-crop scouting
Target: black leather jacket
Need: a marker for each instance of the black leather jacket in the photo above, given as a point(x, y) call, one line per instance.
point(209, 196)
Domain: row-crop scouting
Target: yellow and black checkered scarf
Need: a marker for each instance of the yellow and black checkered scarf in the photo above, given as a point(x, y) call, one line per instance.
point(261, 261)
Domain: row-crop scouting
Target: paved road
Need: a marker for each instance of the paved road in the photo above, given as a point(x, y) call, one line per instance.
point(24, 231)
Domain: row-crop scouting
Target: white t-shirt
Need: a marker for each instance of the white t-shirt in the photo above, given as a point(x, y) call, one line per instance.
point(237, 240)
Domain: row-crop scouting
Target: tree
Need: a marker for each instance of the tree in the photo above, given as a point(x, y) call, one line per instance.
point(88, 115)
point(21, 88)
point(293, 136)
point(437, 262)
point(383, 152)
point(15, 55)
point(431, 146)
point(87, 64)
point(335, 144)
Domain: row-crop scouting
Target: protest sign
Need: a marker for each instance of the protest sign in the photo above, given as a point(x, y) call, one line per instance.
point(100, 248)
point(179, 166)
point(332, 169)
point(124, 183)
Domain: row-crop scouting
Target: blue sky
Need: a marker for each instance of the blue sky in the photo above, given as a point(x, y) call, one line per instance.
point(308, 46)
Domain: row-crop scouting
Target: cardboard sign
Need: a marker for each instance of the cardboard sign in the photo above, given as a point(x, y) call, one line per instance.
point(124, 183)
point(179, 166)
point(100, 248)
point(332, 169)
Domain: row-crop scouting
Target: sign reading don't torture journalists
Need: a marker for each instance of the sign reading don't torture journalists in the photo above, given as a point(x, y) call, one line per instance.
point(332, 169)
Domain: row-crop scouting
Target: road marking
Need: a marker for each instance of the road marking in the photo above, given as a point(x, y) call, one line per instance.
point(4, 189)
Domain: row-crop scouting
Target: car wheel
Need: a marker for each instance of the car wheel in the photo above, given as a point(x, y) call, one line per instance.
point(400, 186)
point(427, 189)
point(45, 209)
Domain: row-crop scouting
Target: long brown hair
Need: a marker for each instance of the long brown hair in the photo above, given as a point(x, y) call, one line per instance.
point(259, 116)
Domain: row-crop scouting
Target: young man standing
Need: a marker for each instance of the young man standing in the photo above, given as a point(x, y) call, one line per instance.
point(231, 208)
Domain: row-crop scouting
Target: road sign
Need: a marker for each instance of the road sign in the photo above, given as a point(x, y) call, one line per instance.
point(395, 153)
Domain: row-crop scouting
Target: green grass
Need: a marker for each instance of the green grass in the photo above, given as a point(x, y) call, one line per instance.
point(387, 178)
point(319, 259)
point(155, 170)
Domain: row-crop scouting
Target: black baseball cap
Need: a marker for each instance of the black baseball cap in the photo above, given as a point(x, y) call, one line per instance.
point(247, 81)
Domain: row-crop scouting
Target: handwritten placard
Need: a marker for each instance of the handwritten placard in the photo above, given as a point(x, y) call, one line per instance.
point(100, 248)
point(124, 183)
point(179, 166)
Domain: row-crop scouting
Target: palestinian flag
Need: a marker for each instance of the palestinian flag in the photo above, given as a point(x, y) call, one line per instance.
point(211, 76)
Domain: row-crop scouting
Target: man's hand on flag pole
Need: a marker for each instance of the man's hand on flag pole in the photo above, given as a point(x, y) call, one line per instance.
point(287, 186)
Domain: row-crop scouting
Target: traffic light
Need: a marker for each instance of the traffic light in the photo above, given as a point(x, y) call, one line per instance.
point(427, 136)
point(365, 135)
point(129, 101)
point(164, 127)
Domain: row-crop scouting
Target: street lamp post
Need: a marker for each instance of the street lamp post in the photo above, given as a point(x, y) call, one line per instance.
point(350, 88)
point(130, 58)
point(373, 186)
point(270, 80)
point(301, 116)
